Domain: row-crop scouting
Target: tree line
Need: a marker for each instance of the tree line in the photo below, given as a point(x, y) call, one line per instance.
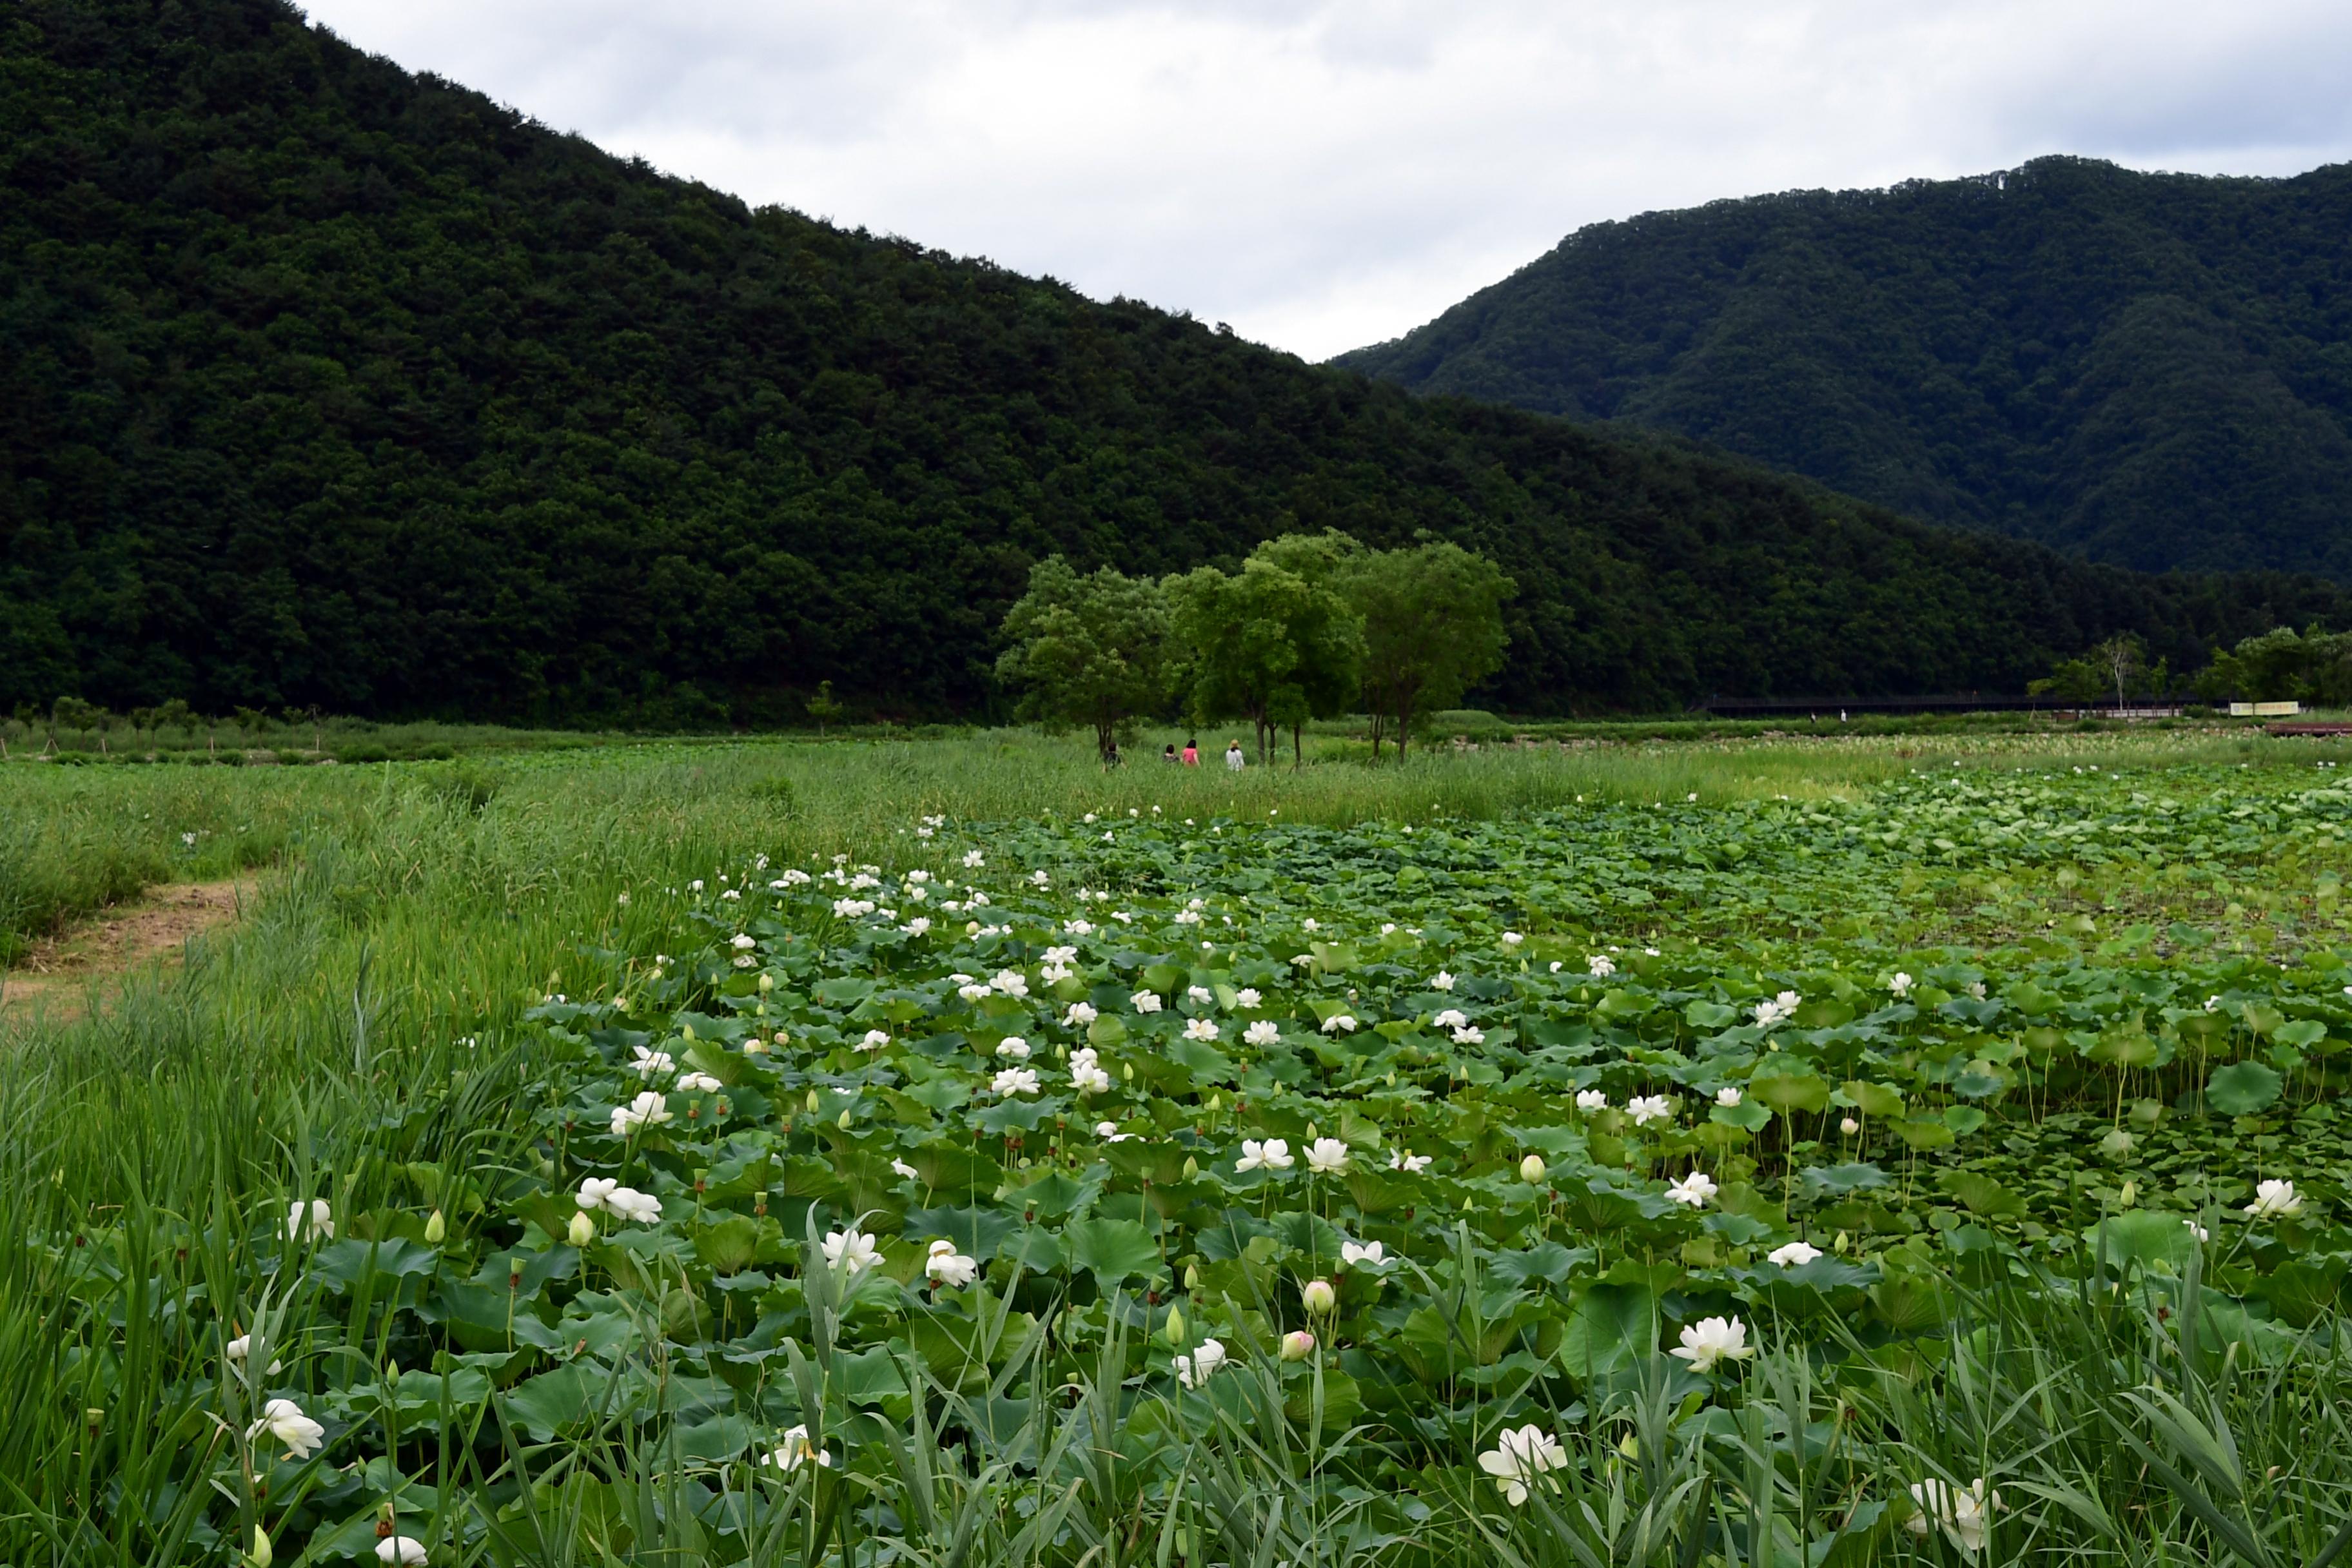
point(1308, 627)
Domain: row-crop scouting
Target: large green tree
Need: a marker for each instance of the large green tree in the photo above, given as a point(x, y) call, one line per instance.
point(1267, 644)
point(1432, 618)
point(1088, 651)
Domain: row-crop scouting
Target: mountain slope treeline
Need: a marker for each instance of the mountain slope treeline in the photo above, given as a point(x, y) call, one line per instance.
point(2154, 370)
point(323, 383)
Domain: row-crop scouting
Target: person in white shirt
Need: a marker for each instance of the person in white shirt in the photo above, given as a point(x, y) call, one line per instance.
point(1234, 761)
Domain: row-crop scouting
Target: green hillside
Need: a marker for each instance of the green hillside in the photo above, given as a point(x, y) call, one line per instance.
point(329, 383)
point(2154, 370)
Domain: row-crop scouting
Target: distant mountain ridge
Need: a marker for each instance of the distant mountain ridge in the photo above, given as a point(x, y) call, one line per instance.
point(321, 381)
point(2154, 370)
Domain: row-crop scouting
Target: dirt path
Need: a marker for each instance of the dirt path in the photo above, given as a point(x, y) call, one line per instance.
point(56, 977)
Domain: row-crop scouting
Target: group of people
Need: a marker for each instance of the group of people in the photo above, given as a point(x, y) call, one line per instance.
point(1190, 757)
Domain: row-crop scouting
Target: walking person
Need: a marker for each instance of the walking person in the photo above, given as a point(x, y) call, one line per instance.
point(1234, 761)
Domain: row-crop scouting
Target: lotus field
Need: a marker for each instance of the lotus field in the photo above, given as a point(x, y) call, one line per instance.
point(1953, 1172)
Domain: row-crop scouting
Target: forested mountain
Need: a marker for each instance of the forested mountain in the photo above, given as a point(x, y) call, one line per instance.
point(2149, 369)
point(323, 383)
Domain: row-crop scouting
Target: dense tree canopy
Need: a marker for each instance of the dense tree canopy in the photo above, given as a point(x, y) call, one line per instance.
point(2154, 370)
point(325, 383)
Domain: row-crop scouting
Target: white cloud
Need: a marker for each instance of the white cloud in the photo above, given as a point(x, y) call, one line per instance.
point(1327, 172)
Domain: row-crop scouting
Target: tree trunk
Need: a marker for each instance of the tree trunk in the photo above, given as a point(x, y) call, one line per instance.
point(1404, 729)
point(1297, 758)
point(1379, 728)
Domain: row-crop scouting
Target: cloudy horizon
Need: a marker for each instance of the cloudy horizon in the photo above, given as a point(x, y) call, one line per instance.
point(1324, 175)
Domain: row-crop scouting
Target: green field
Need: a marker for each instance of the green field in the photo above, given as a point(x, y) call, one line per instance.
point(2036, 1011)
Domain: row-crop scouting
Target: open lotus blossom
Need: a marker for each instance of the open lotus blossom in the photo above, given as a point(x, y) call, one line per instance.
point(1512, 939)
point(1727, 1097)
point(1200, 996)
point(1694, 1190)
point(627, 1203)
point(1772, 1012)
point(945, 1266)
point(594, 1191)
point(903, 1170)
point(1964, 1517)
point(1196, 1369)
point(1009, 983)
point(1900, 986)
point(237, 1349)
point(1108, 1132)
point(1713, 1341)
point(972, 991)
point(1339, 1024)
point(1519, 1458)
point(401, 1551)
point(1452, 1019)
point(648, 1063)
point(2198, 1231)
point(1440, 981)
point(314, 1221)
point(1086, 1075)
point(1470, 1034)
point(699, 1083)
point(1592, 1100)
point(795, 1450)
point(1201, 1029)
point(1273, 1154)
point(1264, 1032)
point(283, 1421)
point(852, 1250)
point(1014, 1081)
point(742, 943)
point(1145, 1000)
point(1364, 1255)
point(648, 1110)
point(2275, 1199)
point(1013, 1045)
point(1406, 1160)
point(1601, 966)
point(1079, 1016)
point(1327, 1156)
point(1246, 998)
point(1795, 1254)
point(1648, 1108)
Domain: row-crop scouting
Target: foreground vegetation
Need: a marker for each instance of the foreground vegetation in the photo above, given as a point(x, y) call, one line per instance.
point(2072, 1018)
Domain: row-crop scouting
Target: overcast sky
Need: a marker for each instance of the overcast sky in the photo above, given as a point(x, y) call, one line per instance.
point(1324, 174)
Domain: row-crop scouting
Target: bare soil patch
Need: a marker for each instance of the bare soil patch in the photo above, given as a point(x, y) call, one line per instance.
point(58, 975)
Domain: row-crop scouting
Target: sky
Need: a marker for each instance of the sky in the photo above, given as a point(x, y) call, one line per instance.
point(1326, 174)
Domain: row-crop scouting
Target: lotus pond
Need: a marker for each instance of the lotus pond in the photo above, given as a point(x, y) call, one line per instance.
point(1953, 1174)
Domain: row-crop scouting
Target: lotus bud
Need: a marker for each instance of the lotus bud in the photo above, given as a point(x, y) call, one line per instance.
point(1174, 1329)
point(767, 984)
point(686, 1030)
point(844, 1122)
point(1192, 1276)
point(436, 1229)
point(1311, 1133)
point(583, 1229)
point(2129, 1195)
point(261, 1556)
point(1216, 1103)
point(1842, 1243)
point(1298, 1345)
point(1192, 1167)
point(1127, 1072)
point(812, 1100)
point(1317, 1297)
point(1849, 1127)
point(1531, 1169)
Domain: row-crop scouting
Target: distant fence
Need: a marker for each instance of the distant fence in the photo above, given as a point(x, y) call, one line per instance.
point(1954, 702)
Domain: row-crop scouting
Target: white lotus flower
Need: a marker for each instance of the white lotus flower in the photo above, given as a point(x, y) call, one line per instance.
point(2198, 1231)
point(1601, 966)
point(1264, 1032)
point(311, 1221)
point(1531, 1169)
point(2275, 1200)
point(852, 1251)
point(1649, 1107)
point(972, 991)
point(1273, 1154)
point(1145, 1000)
point(1339, 1024)
point(699, 1083)
point(1013, 1045)
point(1200, 1029)
point(1079, 928)
point(1795, 1254)
point(1086, 1075)
point(1512, 939)
point(1592, 1100)
point(1693, 1191)
point(402, 1551)
point(239, 1348)
point(1246, 998)
point(283, 1421)
point(1196, 1369)
point(1712, 1340)
point(796, 1449)
point(648, 1110)
point(1519, 1458)
point(742, 943)
point(1317, 1296)
point(1014, 1081)
point(1109, 1130)
point(1369, 1254)
point(648, 1063)
point(1964, 1517)
point(630, 1203)
point(973, 860)
point(1411, 1164)
point(1900, 986)
point(1440, 981)
point(945, 1266)
point(1469, 1036)
point(1327, 1156)
point(1009, 983)
point(1849, 1126)
point(594, 1191)
point(1079, 1015)
point(903, 1171)
point(1452, 1019)
point(1200, 995)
